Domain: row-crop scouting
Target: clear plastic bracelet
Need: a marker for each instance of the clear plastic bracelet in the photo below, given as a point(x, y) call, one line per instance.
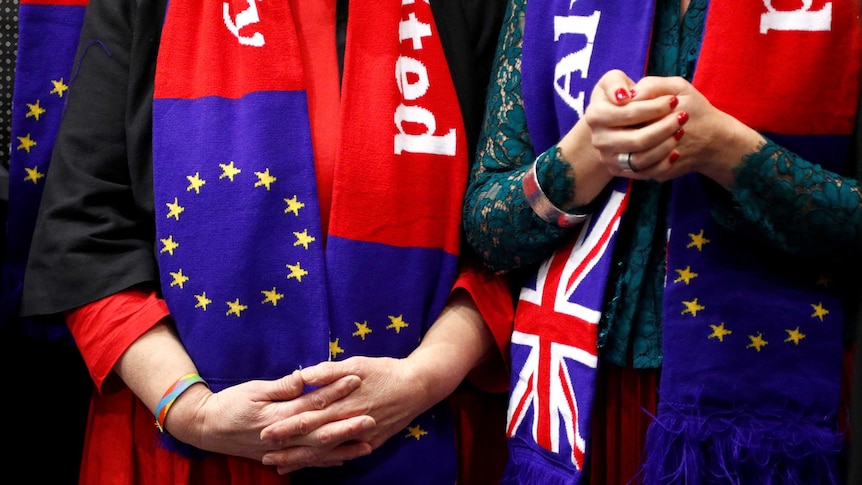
point(543, 207)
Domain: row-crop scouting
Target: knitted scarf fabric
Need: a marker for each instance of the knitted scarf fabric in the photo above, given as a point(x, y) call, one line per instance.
point(255, 286)
point(752, 343)
point(751, 368)
point(48, 32)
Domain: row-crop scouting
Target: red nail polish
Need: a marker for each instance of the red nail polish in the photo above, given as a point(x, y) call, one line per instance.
point(678, 134)
point(682, 117)
point(674, 155)
point(632, 93)
point(673, 102)
point(621, 94)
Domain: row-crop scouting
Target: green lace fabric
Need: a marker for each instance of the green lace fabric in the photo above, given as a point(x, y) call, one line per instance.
point(777, 198)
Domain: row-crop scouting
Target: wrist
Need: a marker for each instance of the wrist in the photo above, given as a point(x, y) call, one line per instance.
point(176, 400)
point(185, 421)
point(435, 381)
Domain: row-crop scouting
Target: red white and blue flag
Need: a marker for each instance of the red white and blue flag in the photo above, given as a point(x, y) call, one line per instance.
point(554, 354)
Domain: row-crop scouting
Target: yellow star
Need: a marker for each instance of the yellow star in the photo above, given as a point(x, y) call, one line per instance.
point(397, 323)
point(697, 240)
point(415, 432)
point(303, 239)
point(35, 110)
point(203, 301)
point(293, 206)
point(59, 87)
point(692, 307)
point(169, 245)
point(685, 275)
point(794, 335)
point(179, 278)
point(195, 182)
point(272, 296)
point(26, 142)
point(296, 272)
point(228, 170)
point(819, 311)
point(175, 209)
point(719, 332)
point(334, 349)
point(264, 179)
point(235, 307)
point(757, 342)
point(33, 175)
point(361, 330)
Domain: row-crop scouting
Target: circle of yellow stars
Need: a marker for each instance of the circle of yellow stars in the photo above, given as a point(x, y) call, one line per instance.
point(230, 172)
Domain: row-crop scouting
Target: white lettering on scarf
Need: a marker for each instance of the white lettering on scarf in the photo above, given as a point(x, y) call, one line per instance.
point(413, 82)
point(246, 17)
point(574, 62)
point(803, 19)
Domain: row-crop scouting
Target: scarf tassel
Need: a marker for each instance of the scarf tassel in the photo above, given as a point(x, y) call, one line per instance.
point(739, 448)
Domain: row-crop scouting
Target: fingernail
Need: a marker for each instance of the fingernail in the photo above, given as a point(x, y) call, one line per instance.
point(353, 382)
point(632, 93)
point(267, 461)
point(673, 102)
point(621, 94)
point(678, 134)
point(674, 155)
point(682, 117)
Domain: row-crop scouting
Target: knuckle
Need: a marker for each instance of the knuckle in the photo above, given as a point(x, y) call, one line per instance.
point(303, 426)
point(324, 437)
point(318, 401)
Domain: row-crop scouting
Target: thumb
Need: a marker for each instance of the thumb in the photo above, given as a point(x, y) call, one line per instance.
point(651, 87)
point(326, 373)
point(286, 388)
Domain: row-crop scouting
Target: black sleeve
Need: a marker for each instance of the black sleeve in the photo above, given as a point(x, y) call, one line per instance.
point(468, 32)
point(95, 232)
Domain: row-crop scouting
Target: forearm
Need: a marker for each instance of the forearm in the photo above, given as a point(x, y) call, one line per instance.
point(458, 341)
point(153, 363)
point(797, 206)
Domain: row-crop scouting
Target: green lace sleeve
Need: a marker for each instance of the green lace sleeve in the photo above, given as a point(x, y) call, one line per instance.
point(499, 223)
point(794, 205)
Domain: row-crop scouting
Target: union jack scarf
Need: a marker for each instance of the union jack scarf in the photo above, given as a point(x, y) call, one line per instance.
point(750, 383)
point(257, 286)
point(48, 32)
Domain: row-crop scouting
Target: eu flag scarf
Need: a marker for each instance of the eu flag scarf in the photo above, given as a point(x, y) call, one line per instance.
point(48, 33)
point(752, 343)
point(751, 369)
point(255, 285)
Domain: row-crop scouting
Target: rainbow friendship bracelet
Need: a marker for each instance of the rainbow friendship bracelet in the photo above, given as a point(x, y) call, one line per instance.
point(172, 394)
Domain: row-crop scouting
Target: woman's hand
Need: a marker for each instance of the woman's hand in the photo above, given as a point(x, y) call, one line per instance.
point(664, 128)
point(714, 143)
point(395, 391)
point(626, 118)
point(392, 393)
point(231, 421)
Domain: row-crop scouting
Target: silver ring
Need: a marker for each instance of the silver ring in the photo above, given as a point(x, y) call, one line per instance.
point(624, 160)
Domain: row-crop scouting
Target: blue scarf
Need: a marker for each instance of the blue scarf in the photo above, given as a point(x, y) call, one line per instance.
point(751, 344)
point(48, 34)
point(256, 286)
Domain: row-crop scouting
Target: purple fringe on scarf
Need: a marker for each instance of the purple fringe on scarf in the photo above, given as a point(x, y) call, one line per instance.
point(739, 448)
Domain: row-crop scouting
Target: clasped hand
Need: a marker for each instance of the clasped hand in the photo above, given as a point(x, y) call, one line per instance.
point(357, 404)
point(667, 126)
